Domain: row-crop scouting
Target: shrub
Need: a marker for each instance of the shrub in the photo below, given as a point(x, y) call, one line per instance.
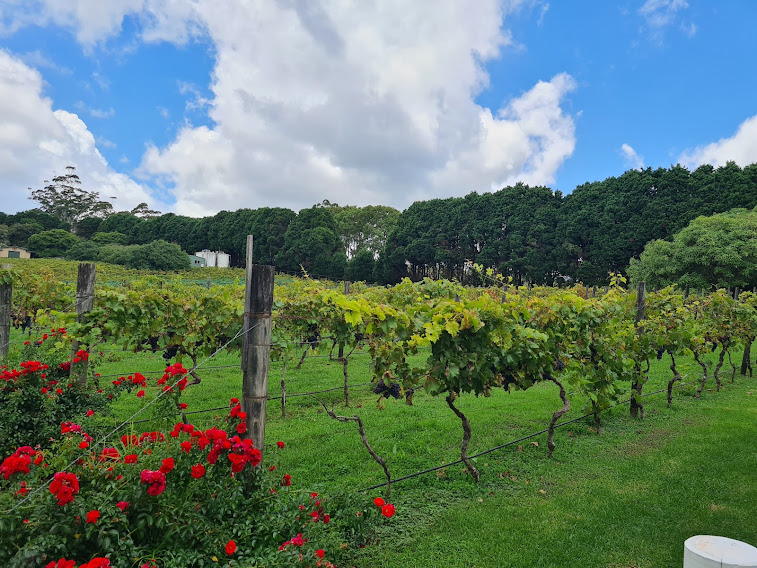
point(181, 498)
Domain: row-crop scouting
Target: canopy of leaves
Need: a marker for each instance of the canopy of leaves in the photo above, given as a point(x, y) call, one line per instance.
point(50, 244)
point(716, 251)
point(112, 238)
point(65, 199)
point(311, 243)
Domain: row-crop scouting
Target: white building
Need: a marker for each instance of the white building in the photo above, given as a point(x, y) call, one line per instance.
point(215, 258)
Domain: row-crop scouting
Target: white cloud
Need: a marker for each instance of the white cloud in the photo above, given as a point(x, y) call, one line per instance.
point(102, 113)
point(355, 102)
point(661, 14)
point(542, 13)
point(740, 148)
point(632, 159)
point(36, 141)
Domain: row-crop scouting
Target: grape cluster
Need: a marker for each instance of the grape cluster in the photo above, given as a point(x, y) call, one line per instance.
point(392, 390)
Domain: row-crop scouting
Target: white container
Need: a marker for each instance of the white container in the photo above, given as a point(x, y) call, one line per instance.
point(705, 551)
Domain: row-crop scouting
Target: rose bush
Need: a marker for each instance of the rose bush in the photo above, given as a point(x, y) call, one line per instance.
point(185, 497)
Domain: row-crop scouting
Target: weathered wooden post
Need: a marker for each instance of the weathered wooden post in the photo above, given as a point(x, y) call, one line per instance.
point(207, 283)
point(346, 287)
point(637, 408)
point(256, 349)
point(85, 301)
point(6, 292)
point(686, 293)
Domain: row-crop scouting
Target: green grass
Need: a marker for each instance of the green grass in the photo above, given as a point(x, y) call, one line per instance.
point(627, 498)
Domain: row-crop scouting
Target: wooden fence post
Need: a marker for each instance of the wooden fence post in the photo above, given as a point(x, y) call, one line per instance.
point(6, 292)
point(256, 349)
point(207, 283)
point(85, 300)
point(346, 287)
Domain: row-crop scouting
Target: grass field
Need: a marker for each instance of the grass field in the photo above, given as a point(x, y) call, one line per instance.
point(627, 498)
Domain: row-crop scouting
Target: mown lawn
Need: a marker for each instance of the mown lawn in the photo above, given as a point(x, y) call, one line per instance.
point(626, 498)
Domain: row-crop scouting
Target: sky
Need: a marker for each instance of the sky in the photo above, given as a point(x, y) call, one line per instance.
point(197, 106)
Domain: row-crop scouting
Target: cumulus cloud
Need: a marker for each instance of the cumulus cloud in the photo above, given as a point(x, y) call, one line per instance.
point(740, 148)
point(36, 141)
point(360, 102)
point(632, 159)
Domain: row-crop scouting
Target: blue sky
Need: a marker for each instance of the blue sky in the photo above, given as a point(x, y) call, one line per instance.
point(195, 107)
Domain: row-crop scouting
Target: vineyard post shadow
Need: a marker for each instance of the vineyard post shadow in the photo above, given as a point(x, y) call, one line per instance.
point(6, 291)
point(256, 349)
point(85, 301)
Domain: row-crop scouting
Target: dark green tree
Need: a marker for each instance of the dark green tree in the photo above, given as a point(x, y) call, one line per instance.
point(83, 251)
point(112, 238)
point(158, 255)
point(19, 233)
point(715, 251)
point(311, 243)
point(51, 244)
point(88, 226)
point(360, 267)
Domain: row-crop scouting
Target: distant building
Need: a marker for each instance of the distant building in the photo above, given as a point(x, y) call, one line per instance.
point(14, 252)
point(215, 258)
point(197, 261)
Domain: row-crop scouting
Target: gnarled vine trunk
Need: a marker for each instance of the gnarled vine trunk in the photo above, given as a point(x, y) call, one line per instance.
point(721, 359)
point(466, 435)
point(676, 377)
point(637, 406)
point(556, 416)
point(704, 374)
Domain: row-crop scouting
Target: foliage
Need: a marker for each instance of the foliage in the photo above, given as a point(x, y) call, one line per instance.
point(37, 398)
point(158, 255)
point(19, 233)
point(88, 226)
point(83, 251)
point(716, 251)
point(51, 244)
point(112, 238)
point(166, 499)
point(65, 199)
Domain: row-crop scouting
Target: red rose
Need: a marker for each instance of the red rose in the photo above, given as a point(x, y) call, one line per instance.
point(130, 458)
point(90, 412)
point(320, 553)
point(140, 394)
point(92, 516)
point(280, 444)
point(287, 480)
point(198, 471)
point(231, 547)
point(241, 428)
point(123, 505)
point(168, 465)
point(379, 502)
point(387, 510)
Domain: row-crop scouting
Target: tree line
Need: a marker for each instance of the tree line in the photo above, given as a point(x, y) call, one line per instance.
point(532, 234)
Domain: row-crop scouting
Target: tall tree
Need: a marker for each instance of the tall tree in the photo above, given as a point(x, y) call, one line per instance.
point(64, 198)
